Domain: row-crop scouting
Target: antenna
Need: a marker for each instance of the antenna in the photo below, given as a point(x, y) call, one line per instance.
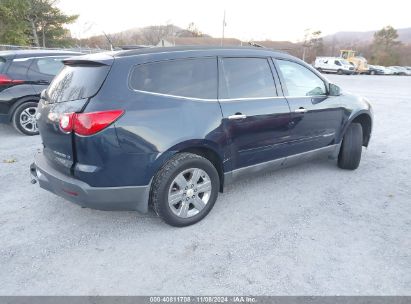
point(109, 40)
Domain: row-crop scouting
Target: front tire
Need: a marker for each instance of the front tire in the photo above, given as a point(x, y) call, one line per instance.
point(24, 118)
point(339, 72)
point(185, 189)
point(350, 152)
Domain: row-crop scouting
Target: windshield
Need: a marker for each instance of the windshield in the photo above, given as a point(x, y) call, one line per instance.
point(345, 62)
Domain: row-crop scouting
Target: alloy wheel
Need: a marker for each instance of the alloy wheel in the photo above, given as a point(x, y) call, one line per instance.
point(28, 119)
point(189, 192)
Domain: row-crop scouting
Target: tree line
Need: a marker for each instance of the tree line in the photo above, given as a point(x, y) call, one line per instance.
point(385, 48)
point(40, 23)
point(34, 23)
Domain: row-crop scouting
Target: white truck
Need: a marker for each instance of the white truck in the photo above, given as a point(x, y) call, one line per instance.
point(334, 65)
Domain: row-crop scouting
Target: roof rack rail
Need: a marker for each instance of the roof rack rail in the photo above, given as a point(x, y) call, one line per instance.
point(133, 47)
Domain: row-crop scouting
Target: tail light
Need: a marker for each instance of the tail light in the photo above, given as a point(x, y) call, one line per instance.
point(6, 80)
point(88, 123)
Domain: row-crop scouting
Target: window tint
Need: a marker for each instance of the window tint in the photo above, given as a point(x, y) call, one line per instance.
point(18, 69)
point(196, 78)
point(2, 64)
point(246, 78)
point(77, 82)
point(299, 80)
point(44, 68)
point(49, 66)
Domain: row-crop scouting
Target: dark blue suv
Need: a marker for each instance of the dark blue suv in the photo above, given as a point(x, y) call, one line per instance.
point(170, 127)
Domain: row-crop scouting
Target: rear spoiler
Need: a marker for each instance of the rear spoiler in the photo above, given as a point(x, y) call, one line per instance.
point(90, 59)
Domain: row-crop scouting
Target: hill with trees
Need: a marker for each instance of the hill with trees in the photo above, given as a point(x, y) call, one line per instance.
point(40, 23)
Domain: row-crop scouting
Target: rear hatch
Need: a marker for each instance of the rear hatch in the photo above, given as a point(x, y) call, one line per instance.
point(69, 92)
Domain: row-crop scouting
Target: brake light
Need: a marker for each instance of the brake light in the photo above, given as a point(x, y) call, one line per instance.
point(88, 123)
point(6, 80)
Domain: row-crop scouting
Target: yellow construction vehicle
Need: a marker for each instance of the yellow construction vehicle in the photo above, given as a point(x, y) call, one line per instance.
point(360, 63)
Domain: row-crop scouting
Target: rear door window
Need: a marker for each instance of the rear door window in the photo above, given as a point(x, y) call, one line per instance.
point(191, 78)
point(77, 82)
point(246, 78)
point(45, 68)
point(18, 68)
point(2, 64)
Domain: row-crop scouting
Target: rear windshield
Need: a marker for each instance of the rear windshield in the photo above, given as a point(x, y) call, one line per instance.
point(77, 82)
point(2, 64)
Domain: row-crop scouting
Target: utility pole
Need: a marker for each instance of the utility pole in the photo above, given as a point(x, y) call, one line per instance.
point(224, 24)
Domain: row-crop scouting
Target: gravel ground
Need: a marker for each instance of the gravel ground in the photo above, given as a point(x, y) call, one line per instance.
point(312, 229)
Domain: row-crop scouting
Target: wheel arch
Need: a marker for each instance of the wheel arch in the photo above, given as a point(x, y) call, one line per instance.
point(211, 155)
point(364, 118)
point(19, 102)
point(205, 148)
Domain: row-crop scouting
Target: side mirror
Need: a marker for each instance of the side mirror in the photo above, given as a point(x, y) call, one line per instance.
point(334, 90)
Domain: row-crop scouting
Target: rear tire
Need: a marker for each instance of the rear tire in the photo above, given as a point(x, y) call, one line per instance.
point(350, 152)
point(372, 73)
point(24, 118)
point(185, 189)
point(320, 70)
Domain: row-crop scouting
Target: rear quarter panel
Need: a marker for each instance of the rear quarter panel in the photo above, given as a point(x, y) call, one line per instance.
point(12, 97)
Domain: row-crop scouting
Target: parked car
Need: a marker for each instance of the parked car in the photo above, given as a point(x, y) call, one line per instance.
point(394, 70)
point(23, 75)
point(375, 70)
point(334, 65)
point(171, 127)
point(404, 71)
point(387, 71)
point(398, 70)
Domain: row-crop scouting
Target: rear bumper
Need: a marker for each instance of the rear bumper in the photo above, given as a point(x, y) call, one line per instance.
point(78, 192)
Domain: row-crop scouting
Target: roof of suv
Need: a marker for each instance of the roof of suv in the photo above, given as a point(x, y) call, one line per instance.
point(34, 53)
point(213, 49)
point(193, 51)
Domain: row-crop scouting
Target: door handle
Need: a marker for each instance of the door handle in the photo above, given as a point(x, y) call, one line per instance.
point(301, 110)
point(237, 116)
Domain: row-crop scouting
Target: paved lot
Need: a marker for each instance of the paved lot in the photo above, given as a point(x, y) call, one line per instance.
point(311, 229)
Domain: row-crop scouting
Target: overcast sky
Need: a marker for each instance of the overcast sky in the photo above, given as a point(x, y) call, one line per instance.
point(246, 20)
